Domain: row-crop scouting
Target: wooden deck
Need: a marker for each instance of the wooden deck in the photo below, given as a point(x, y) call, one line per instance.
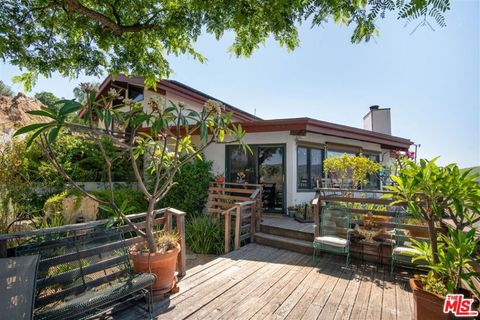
point(259, 282)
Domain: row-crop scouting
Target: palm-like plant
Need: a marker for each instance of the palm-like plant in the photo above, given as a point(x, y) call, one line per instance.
point(455, 252)
point(432, 192)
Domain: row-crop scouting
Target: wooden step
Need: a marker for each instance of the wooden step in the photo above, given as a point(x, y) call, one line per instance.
point(288, 233)
point(296, 245)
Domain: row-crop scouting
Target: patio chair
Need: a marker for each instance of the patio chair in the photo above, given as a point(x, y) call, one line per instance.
point(18, 278)
point(335, 230)
point(402, 251)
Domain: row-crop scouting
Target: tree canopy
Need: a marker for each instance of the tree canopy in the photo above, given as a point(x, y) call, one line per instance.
point(47, 98)
point(136, 36)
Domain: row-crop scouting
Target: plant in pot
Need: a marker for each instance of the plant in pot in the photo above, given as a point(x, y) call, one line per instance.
point(219, 178)
point(156, 136)
point(432, 192)
point(455, 252)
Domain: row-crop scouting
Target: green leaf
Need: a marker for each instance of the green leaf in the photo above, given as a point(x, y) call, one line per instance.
point(42, 113)
point(35, 135)
point(30, 127)
point(69, 106)
point(52, 136)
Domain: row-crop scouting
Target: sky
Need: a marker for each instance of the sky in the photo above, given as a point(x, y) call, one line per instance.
point(429, 78)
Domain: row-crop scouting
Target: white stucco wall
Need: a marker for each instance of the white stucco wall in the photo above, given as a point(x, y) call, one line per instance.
point(216, 153)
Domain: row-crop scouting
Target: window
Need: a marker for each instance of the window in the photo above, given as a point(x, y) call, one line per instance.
point(373, 179)
point(339, 153)
point(309, 167)
point(135, 93)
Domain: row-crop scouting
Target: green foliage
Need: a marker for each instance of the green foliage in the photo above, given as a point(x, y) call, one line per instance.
point(54, 204)
point(455, 252)
point(350, 168)
point(134, 200)
point(166, 148)
point(167, 241)
point(47, 98)
point(80, 159)
point(431, 191)
point(204, 235)
point(135, 37)
point(5, 90)
point(190, 191)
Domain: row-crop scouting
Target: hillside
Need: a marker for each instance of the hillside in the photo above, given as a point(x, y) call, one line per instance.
point(13, 112)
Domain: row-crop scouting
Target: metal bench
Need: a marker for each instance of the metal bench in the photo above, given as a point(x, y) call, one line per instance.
point(85, 274)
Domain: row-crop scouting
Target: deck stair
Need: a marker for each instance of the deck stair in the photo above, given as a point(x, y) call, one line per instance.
point(284, 237)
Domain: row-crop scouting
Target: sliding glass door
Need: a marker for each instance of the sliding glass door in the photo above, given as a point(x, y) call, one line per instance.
point(265, 165)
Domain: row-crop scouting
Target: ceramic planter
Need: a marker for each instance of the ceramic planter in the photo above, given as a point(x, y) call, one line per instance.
point(163, 265)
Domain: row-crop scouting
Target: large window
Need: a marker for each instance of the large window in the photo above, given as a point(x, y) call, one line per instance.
point(309, 167)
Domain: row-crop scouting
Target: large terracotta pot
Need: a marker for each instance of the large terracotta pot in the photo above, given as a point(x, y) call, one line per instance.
point(426, 305)
point(163, 265)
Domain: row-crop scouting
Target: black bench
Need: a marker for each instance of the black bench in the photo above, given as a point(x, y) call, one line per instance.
point(85, 274)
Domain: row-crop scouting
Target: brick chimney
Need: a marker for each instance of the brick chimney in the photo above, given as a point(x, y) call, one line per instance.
point(378, 120)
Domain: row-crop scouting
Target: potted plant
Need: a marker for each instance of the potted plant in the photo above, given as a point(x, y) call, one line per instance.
point(219, 178)
point(455, 252)
point(156, 154)
point(431, 192)
point(162, 263)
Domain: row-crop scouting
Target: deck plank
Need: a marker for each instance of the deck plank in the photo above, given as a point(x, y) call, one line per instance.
point(360, 306)
point(260, 282)
point(403, 300)
point(389, 310)
point(318, 282)
point(374, 310)
point(315, 308)
point(330, 309)
point(241, 291)
point(345, 307)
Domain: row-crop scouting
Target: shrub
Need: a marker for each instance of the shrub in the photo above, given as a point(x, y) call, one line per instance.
point(5, 90)
point(135, 201)
point(204, 235)
point(190, 191)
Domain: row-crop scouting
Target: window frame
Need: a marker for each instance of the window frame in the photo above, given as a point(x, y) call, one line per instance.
point(309, 149)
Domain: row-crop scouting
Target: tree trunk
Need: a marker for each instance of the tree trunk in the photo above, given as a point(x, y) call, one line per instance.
point(432, 232)
point(149, 226)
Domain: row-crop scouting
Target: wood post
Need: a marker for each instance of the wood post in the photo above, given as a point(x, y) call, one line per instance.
point(316, 217)
point(252, 221)
point(238, 221)
point(180, 221)
point(168, 220)
point(227, 232)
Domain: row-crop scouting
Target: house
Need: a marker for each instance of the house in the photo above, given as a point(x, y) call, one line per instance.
point(287, 154)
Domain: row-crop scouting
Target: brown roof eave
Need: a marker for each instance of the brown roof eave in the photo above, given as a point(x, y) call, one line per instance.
point(327, 128)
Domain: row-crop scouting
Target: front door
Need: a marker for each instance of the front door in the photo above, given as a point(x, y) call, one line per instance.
point(265, 165)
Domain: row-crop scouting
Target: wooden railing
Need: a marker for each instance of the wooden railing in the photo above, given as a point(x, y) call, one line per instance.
point(238, 203)
point(12, 242)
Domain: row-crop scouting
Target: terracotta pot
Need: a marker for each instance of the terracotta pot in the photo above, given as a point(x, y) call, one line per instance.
point(426, 305)
point(220, 180)
point(163, 265)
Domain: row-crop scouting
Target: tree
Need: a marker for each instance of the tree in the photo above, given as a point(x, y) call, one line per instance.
point(5, 90)
point(165, 148)
point(47, 98)
point(135, 37)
